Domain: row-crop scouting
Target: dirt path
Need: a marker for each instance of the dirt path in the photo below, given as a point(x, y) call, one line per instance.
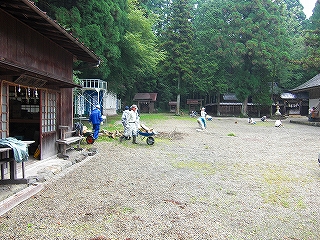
point(232, 181)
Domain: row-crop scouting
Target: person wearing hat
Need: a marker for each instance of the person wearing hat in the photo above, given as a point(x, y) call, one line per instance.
point(96, 119)
point(203, 117)
point(125, 124)
point(132, 125)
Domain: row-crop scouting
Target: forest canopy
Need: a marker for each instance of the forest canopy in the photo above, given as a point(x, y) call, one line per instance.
point(185, 49)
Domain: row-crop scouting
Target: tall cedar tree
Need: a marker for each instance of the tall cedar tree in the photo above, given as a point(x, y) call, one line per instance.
point(178, 40)
point(140, 53)
point(250, 42)
point(295, 22)
point(100, 25)
point(161, 9)
point(211, 75)
point(312, 40)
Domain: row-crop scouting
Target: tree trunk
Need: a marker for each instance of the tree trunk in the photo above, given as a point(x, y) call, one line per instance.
point(218, 104)
point(271, 107)
point(178, 105)
point(178, 98)
point(244, 108)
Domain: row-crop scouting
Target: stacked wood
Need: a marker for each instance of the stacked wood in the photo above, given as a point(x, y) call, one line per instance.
point(113, 134)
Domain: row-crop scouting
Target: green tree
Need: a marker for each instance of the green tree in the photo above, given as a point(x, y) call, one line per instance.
point(178, 40)
point(211, 75)
point(295, 8)
point(250, 42)
point(140, 52)
point(101, 26)
point(312, 41)
point(295, 24)
point(120, 33)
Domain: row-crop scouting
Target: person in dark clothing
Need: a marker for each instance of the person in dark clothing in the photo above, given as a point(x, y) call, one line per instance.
point(96, 119)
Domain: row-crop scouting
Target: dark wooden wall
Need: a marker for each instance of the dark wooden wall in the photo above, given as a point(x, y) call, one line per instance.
point(314, 93)
point(21, 45)
point(66, 107)
point(30, 51)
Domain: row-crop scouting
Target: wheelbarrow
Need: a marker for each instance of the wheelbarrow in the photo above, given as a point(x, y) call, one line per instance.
point(148, 136)
point(147, 133)
point(89, 137)
point(83, 131)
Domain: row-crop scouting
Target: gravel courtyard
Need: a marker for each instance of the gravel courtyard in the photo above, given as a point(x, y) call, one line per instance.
point(232, 181)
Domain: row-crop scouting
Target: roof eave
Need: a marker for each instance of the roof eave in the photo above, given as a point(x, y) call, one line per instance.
point(95, 59)
point(27, 12)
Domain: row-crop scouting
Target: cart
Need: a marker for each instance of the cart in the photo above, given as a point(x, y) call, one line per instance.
point(84, 132)
point(89, 137)
point(148, 136)
point(147, 133)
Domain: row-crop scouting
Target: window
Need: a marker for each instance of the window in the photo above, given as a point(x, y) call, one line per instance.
point(4, 110)
point(49, 114)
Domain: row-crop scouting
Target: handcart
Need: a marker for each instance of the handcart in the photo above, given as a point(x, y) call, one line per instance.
point(83, 131)
point(147, 133)
point(89, 137)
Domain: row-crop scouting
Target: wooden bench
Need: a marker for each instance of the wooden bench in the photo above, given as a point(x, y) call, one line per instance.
point(67, 138)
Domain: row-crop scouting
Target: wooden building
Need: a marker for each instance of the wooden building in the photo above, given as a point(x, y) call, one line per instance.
point(194, 104)
point(173, 106)
point(36, 74)
point(311, 89)
point(145, 102)
point(295, 103)
point(229, 105)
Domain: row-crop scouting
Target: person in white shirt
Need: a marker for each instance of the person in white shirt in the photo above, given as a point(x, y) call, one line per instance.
point(251, 121)
point(202, 119)
point(132, 125)
point(138, 117)
point(124, 121)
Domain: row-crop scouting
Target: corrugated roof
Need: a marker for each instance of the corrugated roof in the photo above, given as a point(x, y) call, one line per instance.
point(145, 96)
point(312, 83)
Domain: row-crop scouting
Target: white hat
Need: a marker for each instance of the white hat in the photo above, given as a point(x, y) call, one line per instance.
point(97, 106)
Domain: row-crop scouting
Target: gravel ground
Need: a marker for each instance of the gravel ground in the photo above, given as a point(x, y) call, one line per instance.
point(232, 181)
